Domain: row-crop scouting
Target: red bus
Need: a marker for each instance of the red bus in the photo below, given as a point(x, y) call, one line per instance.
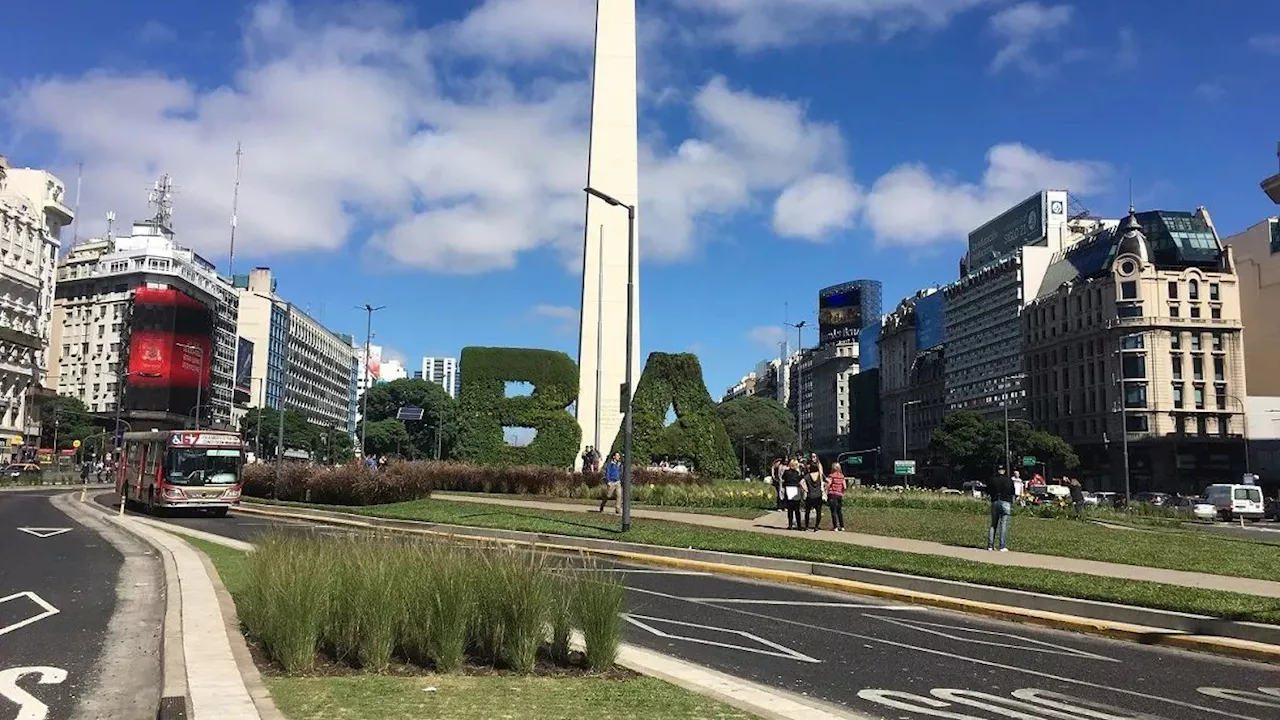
point(189, 469)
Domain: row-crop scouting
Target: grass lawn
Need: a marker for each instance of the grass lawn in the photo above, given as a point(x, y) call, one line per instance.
point(459, 697)
point(672, 534)
point(744, 513)
point(470, 697)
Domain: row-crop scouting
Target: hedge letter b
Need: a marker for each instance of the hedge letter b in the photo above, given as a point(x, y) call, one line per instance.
point(484, 409)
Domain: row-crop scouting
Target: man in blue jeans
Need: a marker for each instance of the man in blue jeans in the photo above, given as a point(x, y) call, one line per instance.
point(613, 483)
point(1000, 491)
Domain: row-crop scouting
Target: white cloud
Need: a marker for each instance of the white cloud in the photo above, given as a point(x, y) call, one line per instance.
point(349, 123)
point(769, 336)
point(565, 318)
point(911, 206)
point(760, 24)
point(1022, 28)
point(814, 207)
point(1268, 43)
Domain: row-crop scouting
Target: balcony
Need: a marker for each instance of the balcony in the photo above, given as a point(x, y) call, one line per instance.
point(1154, 322)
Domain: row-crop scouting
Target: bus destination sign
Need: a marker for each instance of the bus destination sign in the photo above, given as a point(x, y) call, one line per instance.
point(203, 439)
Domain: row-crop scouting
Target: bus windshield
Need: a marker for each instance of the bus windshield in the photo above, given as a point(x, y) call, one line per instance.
point(200, 466)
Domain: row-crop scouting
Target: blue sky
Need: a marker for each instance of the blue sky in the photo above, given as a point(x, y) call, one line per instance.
point(430, 157)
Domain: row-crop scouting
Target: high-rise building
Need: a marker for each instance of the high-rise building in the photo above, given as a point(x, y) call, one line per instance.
point(33, 212)
point(912, 386)
point(1257, 256)
point(297, 363)
point(1135, 352)
point(142, 309)
point(442, 371)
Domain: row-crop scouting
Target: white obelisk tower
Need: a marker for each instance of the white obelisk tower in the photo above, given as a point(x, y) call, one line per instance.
point(613, 169)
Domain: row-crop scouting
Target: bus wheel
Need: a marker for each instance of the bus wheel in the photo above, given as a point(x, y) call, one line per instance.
point(219, 512)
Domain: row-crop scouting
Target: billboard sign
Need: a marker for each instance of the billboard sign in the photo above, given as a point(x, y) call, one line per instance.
point(839, 314)
point(1023, 225)
point(931, 321)
point(170, 349)
point(244, 371)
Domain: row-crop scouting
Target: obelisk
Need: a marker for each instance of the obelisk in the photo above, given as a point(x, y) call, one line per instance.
point(613, 168)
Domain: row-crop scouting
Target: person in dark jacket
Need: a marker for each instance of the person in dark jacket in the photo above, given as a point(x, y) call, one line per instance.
point(1077, 495)
point(793, 489)
point(815, 493)
point(1000, 491)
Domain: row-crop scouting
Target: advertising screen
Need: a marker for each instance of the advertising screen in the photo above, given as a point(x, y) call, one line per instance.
point(169, 351)
point(244, 371)
point(1023, 225)
point(843, 310)
point(931, 321)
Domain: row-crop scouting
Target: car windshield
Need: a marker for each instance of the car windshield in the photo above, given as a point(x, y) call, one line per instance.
point(1250, 494)
point(198, 466)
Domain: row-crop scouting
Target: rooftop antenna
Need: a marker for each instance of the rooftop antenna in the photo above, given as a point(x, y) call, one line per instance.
point(75, 221)
point(235, 204)
point(1131, 194)
point(161, 198)
point(111, 221)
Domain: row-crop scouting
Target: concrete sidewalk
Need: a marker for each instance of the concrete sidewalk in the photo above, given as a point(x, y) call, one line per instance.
point(775, 524)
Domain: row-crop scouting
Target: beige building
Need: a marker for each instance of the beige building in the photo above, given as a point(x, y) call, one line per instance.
point(1138, 327)
point(1257, 256)
point(913, 391)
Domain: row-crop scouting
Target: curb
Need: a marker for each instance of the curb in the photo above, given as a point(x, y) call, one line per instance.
point(824, 577)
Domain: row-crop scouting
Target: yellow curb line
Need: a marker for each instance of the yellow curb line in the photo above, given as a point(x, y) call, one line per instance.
point(1232, 647)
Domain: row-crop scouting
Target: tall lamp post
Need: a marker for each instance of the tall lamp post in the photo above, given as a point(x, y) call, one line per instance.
point(368, 377)
point(1244, 418)
point(199, 351)
point(631, 320)
point(906, 405)
point(799, 379)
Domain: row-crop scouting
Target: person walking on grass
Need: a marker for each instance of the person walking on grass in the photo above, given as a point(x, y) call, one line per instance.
point(613, 483)
point(836, 483)
point(775, 473)
point(1000, 491)
point(815, 493)
point(792, 491)
point(1077, 496)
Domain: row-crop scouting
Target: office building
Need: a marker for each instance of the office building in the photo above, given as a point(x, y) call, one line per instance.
point(33, 212)
point(912, 362)
point(1134, 347)
point(297, 363)
point(442, 371)
point(144, 309)
point(1256, 252)
point(1004, 266)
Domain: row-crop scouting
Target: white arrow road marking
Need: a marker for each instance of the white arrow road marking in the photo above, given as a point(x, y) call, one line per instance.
point(44, 532)
point(47, 610)
point(781, 650)
point(961, 633)
point(29, 708)
point(804, 603)
point(1268, 699)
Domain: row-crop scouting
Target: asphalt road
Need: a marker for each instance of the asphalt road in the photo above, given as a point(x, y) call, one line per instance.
point(58, 585)
point(901, 661)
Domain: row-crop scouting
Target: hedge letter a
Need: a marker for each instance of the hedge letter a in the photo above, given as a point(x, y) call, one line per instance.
point(697, 435)
point(484, 409)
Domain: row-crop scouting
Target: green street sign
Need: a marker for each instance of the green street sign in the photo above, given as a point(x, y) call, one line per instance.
point(853, 460)
point(904, 467)
point(1029, 461)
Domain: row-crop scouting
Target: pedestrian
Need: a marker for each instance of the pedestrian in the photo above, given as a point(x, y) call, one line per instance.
point(775, 474)
point(84, 473)
point(792, 491)
point(613, 483)
point(1077, 496)
point(836, 483)
point(1019, 487)
point(1000, 491)
point(815, 493)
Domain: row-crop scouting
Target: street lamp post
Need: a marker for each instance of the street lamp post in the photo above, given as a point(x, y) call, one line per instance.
point(1244, 418)
point(199, 351)
point(631, 284)
point(368, 377)
point(905, 405)
point(799, 379)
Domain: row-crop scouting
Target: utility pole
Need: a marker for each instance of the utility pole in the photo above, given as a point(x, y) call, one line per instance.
point(799, 380)
point(368, 377)
point(235, 205)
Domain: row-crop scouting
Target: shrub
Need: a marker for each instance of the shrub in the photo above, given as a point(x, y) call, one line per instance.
point(597, 609)
point(286, 600)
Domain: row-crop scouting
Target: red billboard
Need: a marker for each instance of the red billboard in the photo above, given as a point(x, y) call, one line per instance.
point(170, 351)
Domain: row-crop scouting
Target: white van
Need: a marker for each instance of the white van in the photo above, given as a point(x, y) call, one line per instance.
point(1236, 501)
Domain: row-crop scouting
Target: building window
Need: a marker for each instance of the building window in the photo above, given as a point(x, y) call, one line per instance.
point(1175, 340)
point(1220, 396)
point(1129, 290)
point(1193, 290)
point(1174, 310)
point(1177, 367)
point(1195, 342)
point(1173, 289)
point(1224, 425)
point(1198, 397)
point(1213, 292)
point(1215, 312)
point(1202, 425)
point(1136, 424)
point(1195, 311)
point(1129, 310)
point(1197, 367)
point(1135, 395)
point(1177, 395)
point(1217, 342)
point(1132, 342)
point(1134, 366)
point(1219, 369)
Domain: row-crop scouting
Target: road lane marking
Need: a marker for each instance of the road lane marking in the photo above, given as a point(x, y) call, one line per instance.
point(943, 653)
point(781, 651)
point(804, 603)
point(958, 632)
point(1268, 697)
point(1020, 710)
point(46, 610)
point(29, 708)
point(42, 533)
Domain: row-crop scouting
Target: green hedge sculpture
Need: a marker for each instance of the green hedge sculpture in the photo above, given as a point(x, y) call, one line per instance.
point(698, 435)
point(484, 409)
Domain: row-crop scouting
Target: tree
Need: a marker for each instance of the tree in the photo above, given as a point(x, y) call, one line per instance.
point(439, 416)
point(969, 443)
point(1044, 446)
point(760, 427)
point(387, 437)
point(299, 432)
point(69, 419)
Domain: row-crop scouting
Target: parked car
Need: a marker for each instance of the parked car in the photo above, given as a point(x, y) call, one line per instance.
point(974, 487)
point(23, 472)
point(1197, 507)
point(1272, 509)
point(1236, 501)
point(1158, 499)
